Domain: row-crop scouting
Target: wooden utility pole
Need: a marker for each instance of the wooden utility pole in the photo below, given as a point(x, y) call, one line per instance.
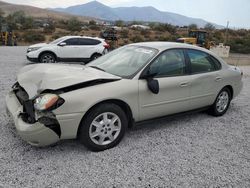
point(226, 37)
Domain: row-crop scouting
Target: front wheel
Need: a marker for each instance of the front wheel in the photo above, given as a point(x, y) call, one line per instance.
point(221, 103)
point(103, 128)
point(47, 58)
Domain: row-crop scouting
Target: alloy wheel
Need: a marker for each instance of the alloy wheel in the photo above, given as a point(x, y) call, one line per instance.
point(105, 128)
point(222, 101)
point(48, 59)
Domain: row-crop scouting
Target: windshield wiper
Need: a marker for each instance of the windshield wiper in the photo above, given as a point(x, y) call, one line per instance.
point(98, 68)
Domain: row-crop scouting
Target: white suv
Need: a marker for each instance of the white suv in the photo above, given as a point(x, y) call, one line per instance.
point(68, 49)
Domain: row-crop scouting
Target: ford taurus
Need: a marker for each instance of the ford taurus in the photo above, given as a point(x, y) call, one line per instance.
point(98, 102)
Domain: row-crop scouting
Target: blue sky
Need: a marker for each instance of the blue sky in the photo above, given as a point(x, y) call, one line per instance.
point(237, 12)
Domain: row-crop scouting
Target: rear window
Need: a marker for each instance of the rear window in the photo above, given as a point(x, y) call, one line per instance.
point(201, 62)
point(85, 41)
point(217, 64)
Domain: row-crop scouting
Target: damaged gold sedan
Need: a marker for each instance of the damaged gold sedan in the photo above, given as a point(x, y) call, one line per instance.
point(98, 102)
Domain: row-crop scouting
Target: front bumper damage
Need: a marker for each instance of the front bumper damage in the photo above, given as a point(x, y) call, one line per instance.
point(42, 131)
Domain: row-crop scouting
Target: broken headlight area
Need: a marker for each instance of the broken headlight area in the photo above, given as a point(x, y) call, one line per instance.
point(48, 102)
point(39, 109)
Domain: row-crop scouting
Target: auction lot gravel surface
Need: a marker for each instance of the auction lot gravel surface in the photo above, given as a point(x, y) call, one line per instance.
point(195, 150)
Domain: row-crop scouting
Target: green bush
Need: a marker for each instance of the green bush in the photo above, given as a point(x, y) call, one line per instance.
point(74, 25)
point(124, 33)
point(119, 23)
point(95, 27)
point(145, 32)
point(240, 45)
point(137, 38)
point(33, 37)
point(165, 27)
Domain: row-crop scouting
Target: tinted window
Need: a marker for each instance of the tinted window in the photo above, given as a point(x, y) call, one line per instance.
point(70, 42)
point(200, 61)
point(217, 64)
point(169, 63)
point(83, 41)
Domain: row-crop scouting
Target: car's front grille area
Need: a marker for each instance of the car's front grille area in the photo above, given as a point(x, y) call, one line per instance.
point(28, 114)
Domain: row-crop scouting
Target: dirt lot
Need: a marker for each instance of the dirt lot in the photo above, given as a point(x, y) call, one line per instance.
point(194, 150)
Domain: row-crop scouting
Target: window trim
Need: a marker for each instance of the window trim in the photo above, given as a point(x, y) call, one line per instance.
point(209, 56)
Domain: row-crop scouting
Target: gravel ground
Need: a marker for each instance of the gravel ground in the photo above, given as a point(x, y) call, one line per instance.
point(194, 150)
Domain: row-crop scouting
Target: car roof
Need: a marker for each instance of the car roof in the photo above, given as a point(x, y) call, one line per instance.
point(75, 36)
point(162, 46)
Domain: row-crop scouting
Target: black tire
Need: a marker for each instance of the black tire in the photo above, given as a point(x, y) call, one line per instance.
point(86, 127)
point(95, 56)
point(214, 109)
point(47, 58)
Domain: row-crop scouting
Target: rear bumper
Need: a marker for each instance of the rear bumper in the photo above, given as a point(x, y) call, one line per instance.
point(35, 134)
point(237, 88)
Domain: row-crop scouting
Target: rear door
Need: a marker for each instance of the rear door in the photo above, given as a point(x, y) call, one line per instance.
point(88, 47)
point(174, 86)
point(206, 78)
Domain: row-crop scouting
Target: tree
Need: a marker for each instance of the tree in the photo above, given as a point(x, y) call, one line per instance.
point(19, 17)
point(136, 23)
point(1, 18)
point(164, 27)
point(92, 22)
point(74, 24)
point(170, 28)
point(11, 22)
point(28, 23)
point(119, 23)
point(1, 13)
point(209, 27)
point(50, 27)
point(192, 26)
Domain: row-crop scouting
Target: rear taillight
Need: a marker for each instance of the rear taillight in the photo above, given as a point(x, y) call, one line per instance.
point(106, 45)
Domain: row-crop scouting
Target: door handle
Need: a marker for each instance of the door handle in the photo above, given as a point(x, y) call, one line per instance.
point(217, 79)
point(184, 84)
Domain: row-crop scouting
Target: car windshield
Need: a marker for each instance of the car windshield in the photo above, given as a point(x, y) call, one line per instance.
point(57, 40)
point(125, 61)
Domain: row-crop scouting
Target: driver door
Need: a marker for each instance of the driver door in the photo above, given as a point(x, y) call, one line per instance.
point(174, 86)
point(70, 51)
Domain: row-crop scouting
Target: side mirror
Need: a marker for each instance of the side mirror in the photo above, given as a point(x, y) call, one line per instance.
point(62, 44)
point(153, 85)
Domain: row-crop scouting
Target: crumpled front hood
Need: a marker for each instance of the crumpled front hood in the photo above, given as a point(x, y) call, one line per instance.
point(39, 77)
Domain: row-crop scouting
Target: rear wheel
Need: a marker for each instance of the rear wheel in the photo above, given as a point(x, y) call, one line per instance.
point(47, 58)
point(221, 103)
point(103, 127)
point(95, 56)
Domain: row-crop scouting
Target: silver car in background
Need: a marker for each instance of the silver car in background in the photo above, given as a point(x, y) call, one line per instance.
point(98, 102)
